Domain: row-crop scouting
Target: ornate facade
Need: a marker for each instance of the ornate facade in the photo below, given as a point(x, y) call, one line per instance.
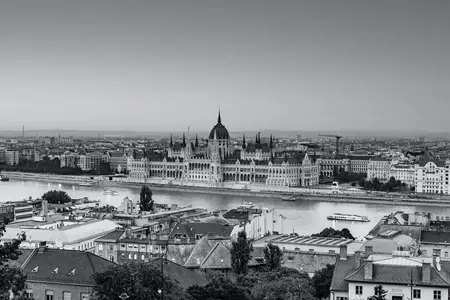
point(220, 163)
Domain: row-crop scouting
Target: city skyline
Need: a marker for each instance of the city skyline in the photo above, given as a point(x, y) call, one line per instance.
point(166, 65)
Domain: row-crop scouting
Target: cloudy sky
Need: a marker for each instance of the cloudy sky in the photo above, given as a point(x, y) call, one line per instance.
point(165, 65)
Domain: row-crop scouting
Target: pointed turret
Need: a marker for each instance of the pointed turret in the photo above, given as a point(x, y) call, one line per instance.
point(196, 141)
point(243, 142)
point(219, 119)
point(271, 142)
point(183, 144)
point(285, 157)
point(171, 142)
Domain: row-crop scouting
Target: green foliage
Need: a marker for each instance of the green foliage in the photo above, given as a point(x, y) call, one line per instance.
point(379, 293)
point(280, 283)
point(321, 281)
point(11, 277)
point(219, 288)
point(146, 201)
point(273, 255)
point(346, 177)
point(241, 254)
point(331, 232)
point(56, 197)
point(139, 281)
point(376, 185)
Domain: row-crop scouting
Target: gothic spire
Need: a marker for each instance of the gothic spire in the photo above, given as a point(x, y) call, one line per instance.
point(271, 142)
point(184, 140)
point(171, 142)
point(196, 141)
point(219, 119)
point(243, 142)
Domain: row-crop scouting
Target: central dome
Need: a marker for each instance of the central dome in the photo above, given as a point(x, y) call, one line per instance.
point(219, 130)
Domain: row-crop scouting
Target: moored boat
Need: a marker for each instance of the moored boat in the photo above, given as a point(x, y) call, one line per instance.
point(110, 192)
point(348, 217)
point(4, 178)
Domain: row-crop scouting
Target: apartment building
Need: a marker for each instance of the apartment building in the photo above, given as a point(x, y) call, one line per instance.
point(12, 157)
point(404, 172)
point(432, 177)
point(378, 167)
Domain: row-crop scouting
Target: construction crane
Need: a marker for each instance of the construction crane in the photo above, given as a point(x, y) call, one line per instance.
point(337, 137)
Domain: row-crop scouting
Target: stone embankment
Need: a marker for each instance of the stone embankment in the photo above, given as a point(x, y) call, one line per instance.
point(309, 195)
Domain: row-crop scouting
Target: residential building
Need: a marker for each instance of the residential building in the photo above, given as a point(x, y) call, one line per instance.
point(262, 221)
point(69, 160)
point(256, 163)
point(404, 172)
point(59, 232)
point(117, 161)
point(402, 276)
point(62, 274)
point(12, 157)
point(359, 163)
point(435, 243)
point(328, 167)
point(84, 162)
point(378, 167)
point(432, 177)
point(2, 154)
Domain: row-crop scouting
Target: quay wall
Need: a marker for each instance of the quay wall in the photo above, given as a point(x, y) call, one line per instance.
point(316, 195)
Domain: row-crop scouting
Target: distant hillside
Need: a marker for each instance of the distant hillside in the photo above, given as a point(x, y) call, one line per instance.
point(235, 133)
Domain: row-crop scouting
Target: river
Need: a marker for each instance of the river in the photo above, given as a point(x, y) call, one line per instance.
point(303, 216)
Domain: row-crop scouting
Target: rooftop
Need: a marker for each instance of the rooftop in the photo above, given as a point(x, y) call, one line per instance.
point(313, 241)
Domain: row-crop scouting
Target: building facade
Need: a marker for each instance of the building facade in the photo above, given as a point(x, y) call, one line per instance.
point(432, 177)
point(378, 167)
point(12, 157)
point(404, 172)
point(220, 163)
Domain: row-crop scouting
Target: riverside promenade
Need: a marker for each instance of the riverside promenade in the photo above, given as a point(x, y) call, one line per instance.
point(250, 190)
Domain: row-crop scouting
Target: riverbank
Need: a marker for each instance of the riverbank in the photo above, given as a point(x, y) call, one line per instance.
point(311, 195)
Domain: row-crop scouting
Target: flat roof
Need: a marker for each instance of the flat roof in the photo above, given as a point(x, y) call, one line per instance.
point(311, 241)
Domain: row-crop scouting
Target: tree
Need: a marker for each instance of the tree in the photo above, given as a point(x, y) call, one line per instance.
point(146, 201)
point(273, 255)
point(321, 281)
point(219, 288)
point(12, 279)
point(331, 232)
point(139, 281)
point(56, 197)
point(379, 293)
point(280, 283)
point(240, 254)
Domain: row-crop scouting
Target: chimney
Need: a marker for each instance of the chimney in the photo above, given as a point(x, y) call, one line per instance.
point(368, 270)
point(426, 272)
point(343, 252)
point(44, 208)
point(42, 247)
point(357, 259)
point(368, 251)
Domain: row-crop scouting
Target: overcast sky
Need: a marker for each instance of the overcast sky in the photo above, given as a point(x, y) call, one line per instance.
point(166, 65)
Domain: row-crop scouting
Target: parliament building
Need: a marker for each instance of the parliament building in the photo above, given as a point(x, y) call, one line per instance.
point(221, 162)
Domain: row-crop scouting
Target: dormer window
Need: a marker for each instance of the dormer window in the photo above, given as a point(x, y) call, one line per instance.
point(72, 272)
point(35, 270)
point(55, 271)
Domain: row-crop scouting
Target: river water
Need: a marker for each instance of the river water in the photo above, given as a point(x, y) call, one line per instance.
point(303, 216)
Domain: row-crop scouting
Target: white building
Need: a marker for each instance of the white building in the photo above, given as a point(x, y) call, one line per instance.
point(432, 177)
point(378, 167)
point(266, 221)
point(57, 233)
point(402, 277)
point(404, 172)
point(12, 157)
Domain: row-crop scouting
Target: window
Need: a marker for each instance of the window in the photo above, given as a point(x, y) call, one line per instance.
point(358, 290)
point(111, 247)
point(100, 246)
point(341, 298)
point(111, 258)
point(84, 296)
point(30, 293)
point(437, 295)
point(67, 296)
point(49, 295)
point(416, 294)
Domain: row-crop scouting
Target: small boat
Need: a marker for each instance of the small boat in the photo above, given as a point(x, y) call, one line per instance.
point(347, 217)
point(247, 205)
point(4, 178)
point(85, 184)
point(110, 192)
